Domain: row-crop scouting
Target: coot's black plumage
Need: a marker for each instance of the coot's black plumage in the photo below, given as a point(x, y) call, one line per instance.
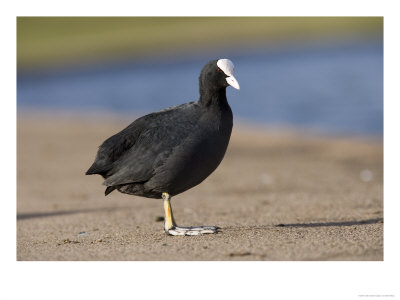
point(168, 152)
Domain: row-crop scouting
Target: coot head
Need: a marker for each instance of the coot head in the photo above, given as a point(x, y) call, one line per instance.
point(218, 74)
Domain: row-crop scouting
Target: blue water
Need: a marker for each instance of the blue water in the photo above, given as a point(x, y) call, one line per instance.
point(333, 87)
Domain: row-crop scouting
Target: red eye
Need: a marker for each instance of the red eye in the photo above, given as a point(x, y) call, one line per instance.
point(219, 70)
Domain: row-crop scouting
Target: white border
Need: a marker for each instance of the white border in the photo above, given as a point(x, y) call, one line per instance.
point(220, 280)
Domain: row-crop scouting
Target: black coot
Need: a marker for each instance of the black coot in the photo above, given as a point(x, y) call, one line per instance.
point(168, 152)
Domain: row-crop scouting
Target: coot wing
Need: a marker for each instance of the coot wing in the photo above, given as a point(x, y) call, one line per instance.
point(151, 150)
point(133, 154)
point(115, 146)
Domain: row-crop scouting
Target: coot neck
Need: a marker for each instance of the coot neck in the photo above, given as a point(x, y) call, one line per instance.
point(210, 96)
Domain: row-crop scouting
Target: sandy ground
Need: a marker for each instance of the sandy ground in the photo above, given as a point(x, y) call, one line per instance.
point(276, 195)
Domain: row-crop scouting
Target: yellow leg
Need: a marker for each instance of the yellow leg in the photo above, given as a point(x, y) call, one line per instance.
point(171, 228)
point(169, 222)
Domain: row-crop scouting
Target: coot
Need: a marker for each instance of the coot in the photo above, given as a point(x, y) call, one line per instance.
point(168, 152)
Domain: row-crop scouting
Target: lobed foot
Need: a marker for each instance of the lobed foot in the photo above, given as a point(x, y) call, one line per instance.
point(176, 230)
point(171, 228)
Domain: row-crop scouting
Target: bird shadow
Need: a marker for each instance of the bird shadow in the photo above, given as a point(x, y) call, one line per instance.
point(24, 216)
point(308, 225)
point(329, 224)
